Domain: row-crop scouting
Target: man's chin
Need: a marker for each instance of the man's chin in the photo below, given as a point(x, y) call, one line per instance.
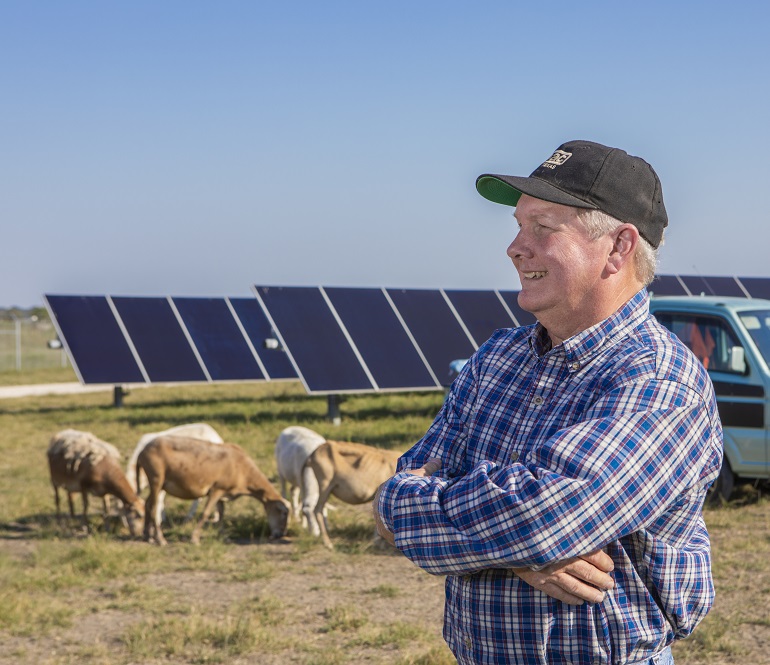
point(528, 301)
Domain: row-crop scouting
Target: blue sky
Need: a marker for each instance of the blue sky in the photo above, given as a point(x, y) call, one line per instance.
point(197, 148)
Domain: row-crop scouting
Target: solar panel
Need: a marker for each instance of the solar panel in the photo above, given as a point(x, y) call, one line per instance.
point(258, 329)
point(322, 354)
point(159, 339)
point(667, 285)
point(712, 286)
point(219, 340)
point(434, 327)
point(94, 340)
point(385, 346)
point(758, 287)
point(125, 339)
point(725, 286)
point(523, 317)
point(483, 312)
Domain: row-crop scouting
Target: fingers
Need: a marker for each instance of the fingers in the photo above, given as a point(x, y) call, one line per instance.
point(601, 560)
point(557, 592)
point(560, 588)
point(587, 572)
point(573, 581)
point(575, 586)
point(428, 469)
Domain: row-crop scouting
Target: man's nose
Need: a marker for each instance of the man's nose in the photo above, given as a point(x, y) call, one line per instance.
point(517, 246)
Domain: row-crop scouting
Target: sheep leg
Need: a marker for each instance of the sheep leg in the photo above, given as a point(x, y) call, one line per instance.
point(160, 507)
point(215, 517)
point(295, 511)
point(191, 513)
point(152, 530)
point(309, 500)
point(84, 494)
point(213, 498)
point(219, 514)
point(58, 505)
point(319, 511)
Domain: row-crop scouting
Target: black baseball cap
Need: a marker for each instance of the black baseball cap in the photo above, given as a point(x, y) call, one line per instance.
point(584, 174)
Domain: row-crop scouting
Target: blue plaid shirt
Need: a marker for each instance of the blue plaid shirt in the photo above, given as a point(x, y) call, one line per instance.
point(610, 440)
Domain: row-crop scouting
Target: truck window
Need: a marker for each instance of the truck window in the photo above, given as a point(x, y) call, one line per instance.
point(708, 337)
point(757, 323)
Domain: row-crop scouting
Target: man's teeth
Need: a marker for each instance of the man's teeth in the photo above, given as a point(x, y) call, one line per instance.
point(535, 275)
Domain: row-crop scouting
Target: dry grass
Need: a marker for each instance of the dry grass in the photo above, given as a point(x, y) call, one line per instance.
point(238, 598)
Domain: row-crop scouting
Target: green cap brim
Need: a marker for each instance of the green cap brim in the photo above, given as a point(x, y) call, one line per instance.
point(497, 191)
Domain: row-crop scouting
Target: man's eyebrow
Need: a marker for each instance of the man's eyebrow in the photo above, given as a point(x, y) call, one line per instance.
point(535, 216)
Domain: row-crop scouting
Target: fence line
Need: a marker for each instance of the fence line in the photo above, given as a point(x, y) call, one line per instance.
point(24, 345)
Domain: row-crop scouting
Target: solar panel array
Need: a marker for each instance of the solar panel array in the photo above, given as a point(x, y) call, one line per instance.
point(120, 340)
point(696, 285)
point(346, 340)
point(334, 339)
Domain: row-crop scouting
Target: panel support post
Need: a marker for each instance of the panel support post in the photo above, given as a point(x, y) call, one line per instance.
point(333, 414)
point(117, 394)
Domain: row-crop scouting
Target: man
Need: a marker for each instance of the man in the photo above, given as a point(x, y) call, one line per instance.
point(580, 446)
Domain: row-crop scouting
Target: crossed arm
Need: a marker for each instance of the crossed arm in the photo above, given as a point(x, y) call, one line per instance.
point(572, 581)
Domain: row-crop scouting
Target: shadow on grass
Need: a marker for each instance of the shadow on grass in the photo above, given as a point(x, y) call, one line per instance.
point(744, 494)
point(46, 526)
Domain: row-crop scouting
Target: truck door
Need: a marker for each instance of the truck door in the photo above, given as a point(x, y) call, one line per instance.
point(740, 396)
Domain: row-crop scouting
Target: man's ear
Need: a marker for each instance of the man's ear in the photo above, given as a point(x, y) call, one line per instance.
point(625, 239)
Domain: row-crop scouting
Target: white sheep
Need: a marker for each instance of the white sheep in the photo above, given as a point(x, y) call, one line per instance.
point(292, 448)
point(81, 462)
point(202, 431)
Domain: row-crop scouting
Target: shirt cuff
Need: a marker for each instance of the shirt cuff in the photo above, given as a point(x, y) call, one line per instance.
point(385, 500)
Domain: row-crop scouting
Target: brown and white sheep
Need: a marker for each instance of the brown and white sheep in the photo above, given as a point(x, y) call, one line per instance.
point(189, 468)
point(350, 471)
point(202, 431)
point(292, 448)
point(81, 462)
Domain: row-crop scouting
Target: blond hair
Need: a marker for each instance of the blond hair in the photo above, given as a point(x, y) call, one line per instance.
point(599, 223)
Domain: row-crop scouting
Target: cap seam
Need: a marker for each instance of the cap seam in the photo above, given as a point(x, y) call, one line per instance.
point(600, 169)
point(563, 191)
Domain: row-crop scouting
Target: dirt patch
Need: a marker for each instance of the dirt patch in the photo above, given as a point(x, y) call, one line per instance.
point(303, 589)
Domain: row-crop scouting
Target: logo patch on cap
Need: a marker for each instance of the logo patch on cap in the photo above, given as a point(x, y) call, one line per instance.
point(557, 159)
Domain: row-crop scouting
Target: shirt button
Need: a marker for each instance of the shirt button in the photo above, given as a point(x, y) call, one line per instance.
point(514, 457)
point(575, 365)
point(537, 401)
point(468, 643)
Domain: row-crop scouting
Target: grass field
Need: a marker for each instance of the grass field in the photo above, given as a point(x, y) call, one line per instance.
point(238, 598)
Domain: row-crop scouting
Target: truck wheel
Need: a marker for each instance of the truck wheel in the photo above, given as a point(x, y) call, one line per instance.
point(723, 486)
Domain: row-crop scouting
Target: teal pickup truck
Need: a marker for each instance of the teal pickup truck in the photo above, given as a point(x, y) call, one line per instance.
point(731, 337)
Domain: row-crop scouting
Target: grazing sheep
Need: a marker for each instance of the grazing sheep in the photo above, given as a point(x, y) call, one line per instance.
point(80, 462)
point(292, 448)
point(350, 471)
point(189, 468)
point(202, 431)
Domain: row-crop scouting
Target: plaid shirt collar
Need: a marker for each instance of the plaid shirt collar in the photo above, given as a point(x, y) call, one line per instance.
point(579, 349)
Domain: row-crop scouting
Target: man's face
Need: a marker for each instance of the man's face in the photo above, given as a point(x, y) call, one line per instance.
point(559, 266)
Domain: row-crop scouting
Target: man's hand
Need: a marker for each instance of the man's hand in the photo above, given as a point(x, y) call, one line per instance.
point(575, 580)
point(428, 469)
